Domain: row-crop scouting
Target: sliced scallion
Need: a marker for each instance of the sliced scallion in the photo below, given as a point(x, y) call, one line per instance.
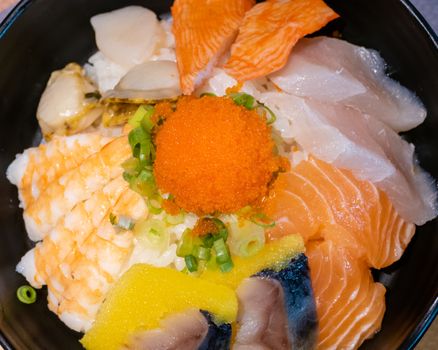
point(265, 111)
point(185, 245)
point(243, 99)
point(175, 219)
point(154, 204)
point(222, 229)
point(201, 252)
point(262, 220)
point(226, 266)
point(144, 112)
point(191, 263)
point(246, 238)
point(153, 233)
point(26, 294)
point(221, 250)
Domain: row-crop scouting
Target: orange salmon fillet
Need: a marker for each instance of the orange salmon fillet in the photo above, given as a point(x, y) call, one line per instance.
point(204, 30)
point(268, 33)
point(348, 226)
point(349, 303)
point(314, 197)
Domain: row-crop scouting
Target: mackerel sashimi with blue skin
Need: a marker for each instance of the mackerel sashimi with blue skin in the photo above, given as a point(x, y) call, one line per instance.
point(212, 180)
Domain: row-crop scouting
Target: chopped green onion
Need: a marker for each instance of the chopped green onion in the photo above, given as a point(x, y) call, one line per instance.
point(208, 240)
point(143, 112)
point(175, 219)
point(131, 165)
point(191, 263)
point(222, 253)
point(222, 229)
point(201, 253)
point(94, 94)
point(243, 99)
point(262, 220)
point(26, 294)
point(246, 238)
point(226, 266)
point(152, 232)
point(211, 263)
point(154, 204)
point(144, 184)
point(146, 122)
point(207, 94)
point(186, 243)
point(263, 110)
point(141, 144)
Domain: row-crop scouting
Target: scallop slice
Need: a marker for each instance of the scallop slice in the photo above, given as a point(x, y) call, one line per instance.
point(65, 107)
point(152, 80)
point(127, 36)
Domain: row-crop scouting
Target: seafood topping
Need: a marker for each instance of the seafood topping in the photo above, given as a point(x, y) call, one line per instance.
point(69, 103)
point(214, 155)
point(185, 331)
point(127, 36)
point(213, 27)
point(262, 319)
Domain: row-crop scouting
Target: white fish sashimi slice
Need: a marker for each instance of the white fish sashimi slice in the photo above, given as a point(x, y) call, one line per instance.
point(127, 36)
point(352, 140)
point(334, 70)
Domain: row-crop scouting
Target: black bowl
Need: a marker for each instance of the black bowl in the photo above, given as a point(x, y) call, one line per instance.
point(40, 36)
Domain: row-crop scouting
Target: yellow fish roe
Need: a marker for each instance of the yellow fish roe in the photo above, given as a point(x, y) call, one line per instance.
point(214, 156)
point(144, 295)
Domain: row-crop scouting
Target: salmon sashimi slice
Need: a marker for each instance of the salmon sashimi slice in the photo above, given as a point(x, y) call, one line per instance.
point(350, 305)
point(269, 32)
point(204, 31)
point(320, 201)
point(84, 254)
point(33, 170)
point(75, 186)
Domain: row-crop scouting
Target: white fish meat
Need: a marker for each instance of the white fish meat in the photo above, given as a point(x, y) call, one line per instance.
point(333, 70)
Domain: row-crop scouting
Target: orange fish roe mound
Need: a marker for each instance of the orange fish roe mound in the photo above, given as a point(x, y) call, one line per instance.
point(214, 156)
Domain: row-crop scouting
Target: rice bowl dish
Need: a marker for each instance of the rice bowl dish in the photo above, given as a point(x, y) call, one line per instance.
point(221, 181)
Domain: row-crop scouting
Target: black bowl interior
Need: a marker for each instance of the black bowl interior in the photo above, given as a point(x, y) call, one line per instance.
point(43, 35)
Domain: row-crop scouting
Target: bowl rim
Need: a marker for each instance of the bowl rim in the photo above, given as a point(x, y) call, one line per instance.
point(412, 340)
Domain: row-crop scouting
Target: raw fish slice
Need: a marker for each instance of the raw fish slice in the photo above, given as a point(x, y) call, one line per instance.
point(269, 32)
point(77, 185)
point(81, 258)
point(37, 167)
point(262, 318)
point(203, 31)
point(127, 36)
point(333, 204)
point(334, 70)
point(349, 139)
point(184, 331)
point(350, 305)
